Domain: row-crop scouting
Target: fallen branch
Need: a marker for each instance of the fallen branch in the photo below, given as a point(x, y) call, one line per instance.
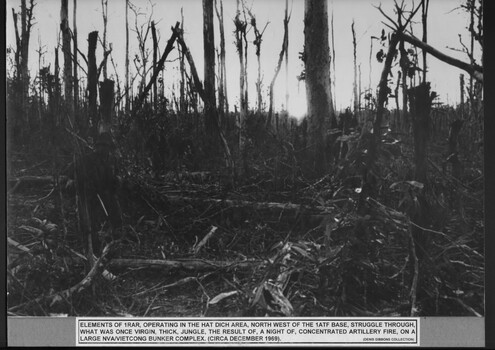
point(189, 265)
point(204, 240)
point(19, 246)
point(79, 287)
point(34, 180)
point(178, 283)
point(235, 203)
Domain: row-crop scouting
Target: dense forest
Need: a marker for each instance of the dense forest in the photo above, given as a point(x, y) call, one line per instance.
point(131, 193)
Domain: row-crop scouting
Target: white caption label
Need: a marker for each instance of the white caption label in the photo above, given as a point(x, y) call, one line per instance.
point(249, 331)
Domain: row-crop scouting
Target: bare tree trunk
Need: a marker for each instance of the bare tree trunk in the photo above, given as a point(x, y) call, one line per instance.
point(370, 89)
point(222, 54)
point(76, 78)
point(424, 17)
point(359, 87)
point(354, 86)
point(22, 59)
point(209, 66)
point(104, 13)
point(240, 33)
point(334, 78)
point(40, 83)
point(160, 63)
point(66, 48)
point(221, 62)
point(199, 88)
point(277, 70)
point(183, 107)
point(26, 19)
point(286, 29)
point(92, 82)
point(397, 108)
point(258, 38)
point(403, 62)
point(56, 97)
point(246, 81)
point(155, 68)
point(127, 88)
point(471, 7)
point(382, 97)
point(318, 83)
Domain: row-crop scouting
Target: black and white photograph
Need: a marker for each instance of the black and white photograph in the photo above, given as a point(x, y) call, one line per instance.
point(245, 158)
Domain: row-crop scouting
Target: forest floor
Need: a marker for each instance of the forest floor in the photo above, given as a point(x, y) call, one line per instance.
point(194, 248)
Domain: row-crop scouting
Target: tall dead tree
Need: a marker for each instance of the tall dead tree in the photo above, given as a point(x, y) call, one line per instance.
point(424, 19)
point(56, 90)
point(354, 85)
point(240, 34)
point(127, 91)
point(368, 105)
point(258, 37)
point(209, 66)
point(286, 29)
point(277, 70)
point(104, 13)
point(155, 68)
point(76, 78)
point(200, 90)
point(142, 32)
point(318, 83)
point(334, 78)
point(223, 103)
point(182, 98)
point(22, 56)
point(66, 48)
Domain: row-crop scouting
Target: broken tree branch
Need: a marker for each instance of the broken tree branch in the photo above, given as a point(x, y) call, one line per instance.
point(473, 70)
point(159, 65)
point(190, 265)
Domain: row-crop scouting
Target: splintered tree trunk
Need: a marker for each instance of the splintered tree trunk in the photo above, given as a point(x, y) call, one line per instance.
point(182, 67)
point(209, 70)
point(92, 80)
point(66, 48)
point(318, 83)
point(107, 96)
point(403, 65)
point(354, 86)
point(155, 68)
